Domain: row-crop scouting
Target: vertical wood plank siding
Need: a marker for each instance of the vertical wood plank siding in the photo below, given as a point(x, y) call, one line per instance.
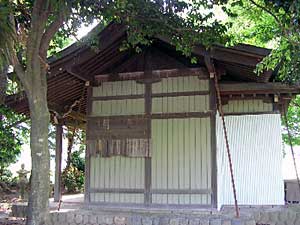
point(256, 151)
point(181, 159)
point(181, 156)
point(181, 148)
point(117, 172)
point(247, 106)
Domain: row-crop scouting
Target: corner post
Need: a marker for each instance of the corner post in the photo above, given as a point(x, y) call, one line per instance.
point(58, 157)
point(87, 186)
point(213, 108)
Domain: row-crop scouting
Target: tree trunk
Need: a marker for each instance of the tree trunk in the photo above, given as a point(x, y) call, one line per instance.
point(70, 146)
point(38, 213)
point(3, 84)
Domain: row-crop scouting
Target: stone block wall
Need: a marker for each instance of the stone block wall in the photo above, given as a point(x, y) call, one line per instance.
point(99, 216)
point(88, 217)
point(277, 217)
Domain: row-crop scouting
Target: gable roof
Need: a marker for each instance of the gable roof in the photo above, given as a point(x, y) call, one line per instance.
point(79, 64)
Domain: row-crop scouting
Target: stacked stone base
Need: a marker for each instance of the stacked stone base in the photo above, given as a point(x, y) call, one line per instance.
point(101, 216)
point(88, 217)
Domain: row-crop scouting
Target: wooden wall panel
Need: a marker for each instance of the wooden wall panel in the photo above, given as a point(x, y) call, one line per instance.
point(118, 88)
point(180, 84)
point(246, 106)
point(117, 173)
point(118, 107)
point(197, 103)
point(181, 160)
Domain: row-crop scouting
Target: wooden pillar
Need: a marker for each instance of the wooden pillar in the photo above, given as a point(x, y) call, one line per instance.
point(148, 161)
point(213, 108)
point(148, 110)
point(58, 156)
point(87, 174)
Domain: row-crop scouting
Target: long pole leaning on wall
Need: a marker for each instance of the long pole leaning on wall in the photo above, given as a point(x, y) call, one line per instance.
point(213, 75)
point(291, 144)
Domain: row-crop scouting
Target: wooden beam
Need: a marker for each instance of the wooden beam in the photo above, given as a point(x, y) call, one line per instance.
point(75, 71)
point(201, 72)
point(182, 191)
point(58, 158)
point(257, 88)
point(87, 173)
point(148, 73)
point(117, 97)
point(77, 116)
point(176, 94)
point(250, 113)
point(154, 95)
point(230, 55)
point(148, 166)
point(159, 116)
point(213, 140)
point(181, 115)
point(153, 191)
point(118, 190)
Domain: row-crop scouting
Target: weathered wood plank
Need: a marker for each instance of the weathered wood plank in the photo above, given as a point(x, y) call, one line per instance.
point(58, 159)
point(258, 88)
point(201, 72)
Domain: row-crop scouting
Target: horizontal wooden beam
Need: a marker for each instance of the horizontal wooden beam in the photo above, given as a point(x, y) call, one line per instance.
point(201, 72)
point(249, 113)
point(181, 115)
point(153, 191)
point(117, 97)
point(155, 95)
point(118, 190)
point(176, 94)
point(182, 191)
point(158, 115)
point(257, 88)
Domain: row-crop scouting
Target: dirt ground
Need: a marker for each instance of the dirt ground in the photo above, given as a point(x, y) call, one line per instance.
point(5, 209)
point(12, 221)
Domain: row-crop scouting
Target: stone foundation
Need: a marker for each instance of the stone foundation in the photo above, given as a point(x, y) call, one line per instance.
point(90, 217)
point(121, 216)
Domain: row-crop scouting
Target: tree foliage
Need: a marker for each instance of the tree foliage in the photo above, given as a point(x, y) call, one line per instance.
point(274, 24)
point(293, 122)
point(13, 134)
point(73, 175)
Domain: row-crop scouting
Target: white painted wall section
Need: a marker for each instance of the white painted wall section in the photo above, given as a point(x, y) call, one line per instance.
point(256, 149)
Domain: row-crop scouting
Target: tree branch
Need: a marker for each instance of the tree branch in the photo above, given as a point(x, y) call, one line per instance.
point(18, 68)
point(266, 10)
point(284, 30)
point(49, 34)
point(38, 23)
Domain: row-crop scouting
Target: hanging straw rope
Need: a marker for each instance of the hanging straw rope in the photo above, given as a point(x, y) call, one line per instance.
point(79, 102)
point(291, 146)
point(220, 109)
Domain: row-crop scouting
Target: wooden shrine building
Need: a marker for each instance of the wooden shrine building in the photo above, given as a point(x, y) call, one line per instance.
point(154, 136)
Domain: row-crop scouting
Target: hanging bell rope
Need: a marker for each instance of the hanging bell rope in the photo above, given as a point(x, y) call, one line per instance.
point(291, 146)
point(220, 109)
